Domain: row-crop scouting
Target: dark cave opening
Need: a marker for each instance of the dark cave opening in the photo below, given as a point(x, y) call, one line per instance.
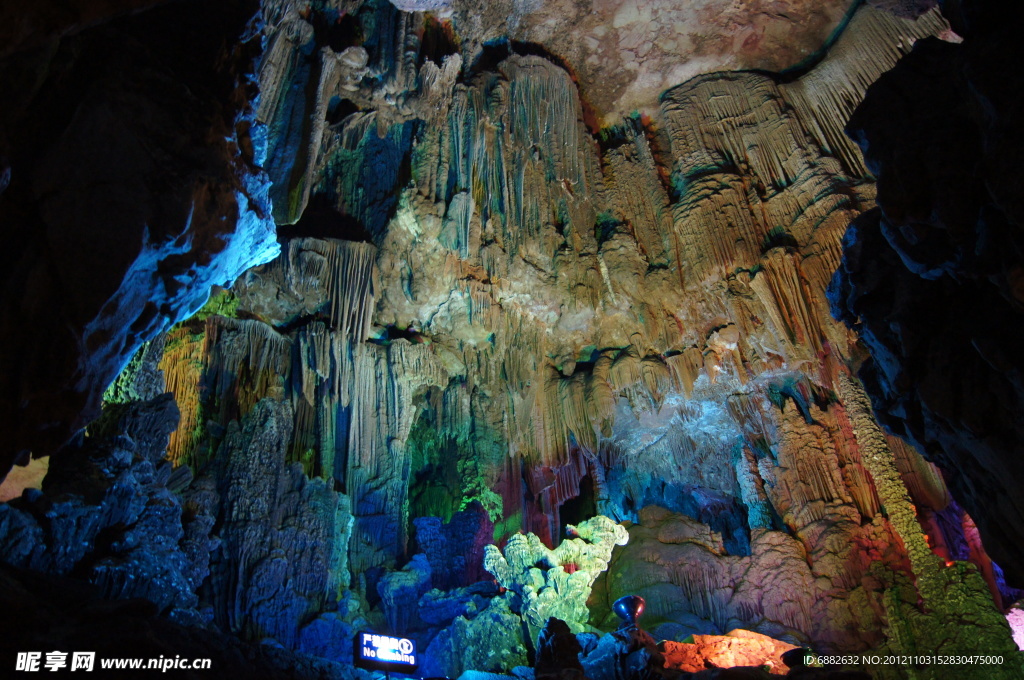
point(339, 109)
point(578, 509)
point(336, 30)
point(392, 332)
point(322, 219)
point(438, 41)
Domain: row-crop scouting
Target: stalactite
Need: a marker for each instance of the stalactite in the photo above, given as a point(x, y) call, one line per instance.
point(685, 368)
point(744, 123)
point(601, 396)
point(456, 232)
point(783, 291)
point(543, 113)
point(182, 364)
point(625, 371)
point(236, 348)
point(655, 378)
point(808, 474)
point(319, 377)
point(349, 266)
point(716, 228)
point(825, 98)
point(923, 479)
point(554, 486)
point(631, 178)
point(551, 430)
point(543, 308)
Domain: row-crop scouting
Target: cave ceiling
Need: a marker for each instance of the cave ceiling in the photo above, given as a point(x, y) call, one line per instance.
point(623, 55)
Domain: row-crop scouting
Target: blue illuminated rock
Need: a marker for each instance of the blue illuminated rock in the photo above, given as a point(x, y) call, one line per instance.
point(140, 196)
point(492, 641)
point(109, 516)
point(401, 590)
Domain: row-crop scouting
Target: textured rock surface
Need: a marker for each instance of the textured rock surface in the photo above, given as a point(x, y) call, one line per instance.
point(558, 651)
point(492, 323)
point(693, 587)
point(280, 559)
point(24, 477)
point(924, 276)
point(132, 185)
point(548, 326)
point(954, 612)
point(131, 629)
point(736, 648)
point(546, 583)
point(106, 514)
point(625, 54)
point(491, 641)
point(455, 550)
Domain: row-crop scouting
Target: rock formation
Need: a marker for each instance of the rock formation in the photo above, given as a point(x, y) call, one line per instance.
point(536, 338)
point(625, 54)
point(111, 237)
point(555, 583)
point(924, 275)
point(551, 325)
point(123, 531)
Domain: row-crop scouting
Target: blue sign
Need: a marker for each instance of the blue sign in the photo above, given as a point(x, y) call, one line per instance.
point(385, 653)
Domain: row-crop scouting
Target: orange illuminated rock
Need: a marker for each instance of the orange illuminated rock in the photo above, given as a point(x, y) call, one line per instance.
point(736, 648)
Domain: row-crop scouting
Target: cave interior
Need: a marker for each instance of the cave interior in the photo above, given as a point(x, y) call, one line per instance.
point(513, 340)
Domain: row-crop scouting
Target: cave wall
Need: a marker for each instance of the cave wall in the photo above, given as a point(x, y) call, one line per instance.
point(930, 280)
point(131, 184)
point(490, 316)
point(536, 318)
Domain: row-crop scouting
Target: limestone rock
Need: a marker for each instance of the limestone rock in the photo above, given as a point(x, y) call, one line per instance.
point(114, 236)
point(940, 254)
point(398, 589)
point(690, 583)
point(555, 583)
point(455, 550)
point(492, 641)
point(278, 561)
point(121, 629)
point(440, 608)
point(627, 54)
point(736, 648)
point(558, 652)
point(109, 516)
point(421, 5)
point(490, 325)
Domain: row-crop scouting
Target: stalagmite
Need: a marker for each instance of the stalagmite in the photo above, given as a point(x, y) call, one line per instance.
point(947, 595)
point(892, 492)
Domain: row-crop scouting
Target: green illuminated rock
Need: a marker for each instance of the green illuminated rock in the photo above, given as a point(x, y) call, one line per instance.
point(948, 610)
point(544, 583)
